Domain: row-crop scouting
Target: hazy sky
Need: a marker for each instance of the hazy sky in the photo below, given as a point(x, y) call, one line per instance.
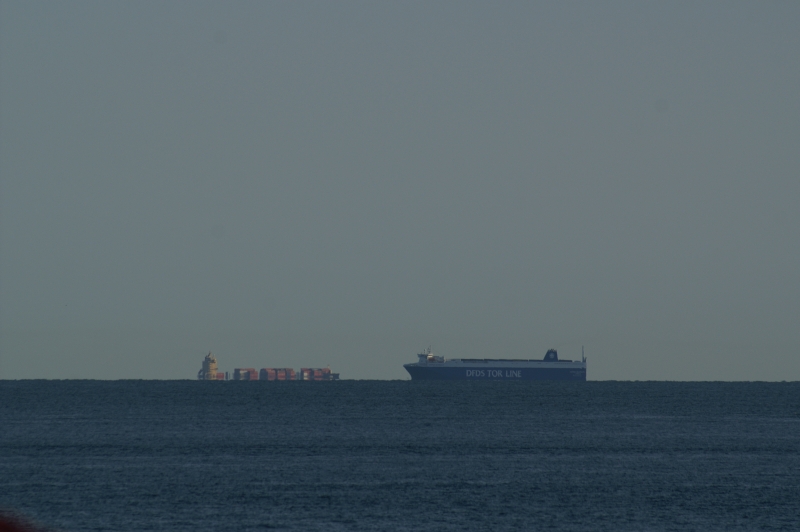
point(302, 184)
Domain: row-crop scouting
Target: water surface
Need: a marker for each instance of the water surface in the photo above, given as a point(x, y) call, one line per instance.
point(401, 455)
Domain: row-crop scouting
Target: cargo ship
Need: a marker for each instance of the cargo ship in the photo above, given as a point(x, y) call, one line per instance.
point(210, 372)
point(550, 368)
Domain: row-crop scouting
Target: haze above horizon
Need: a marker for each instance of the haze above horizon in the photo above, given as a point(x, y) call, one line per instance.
point(312, 184)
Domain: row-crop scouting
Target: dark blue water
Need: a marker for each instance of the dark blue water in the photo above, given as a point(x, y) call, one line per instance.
point(191, 456)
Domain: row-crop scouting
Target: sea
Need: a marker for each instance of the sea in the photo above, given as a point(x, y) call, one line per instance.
point(400, 455)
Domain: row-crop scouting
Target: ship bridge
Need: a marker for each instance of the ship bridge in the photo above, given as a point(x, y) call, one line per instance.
point(426, 357)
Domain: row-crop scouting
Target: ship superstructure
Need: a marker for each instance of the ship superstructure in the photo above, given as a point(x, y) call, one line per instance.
point(432, 367)
point(209, 371)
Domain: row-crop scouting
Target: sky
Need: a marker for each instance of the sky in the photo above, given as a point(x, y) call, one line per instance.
point(303, 184)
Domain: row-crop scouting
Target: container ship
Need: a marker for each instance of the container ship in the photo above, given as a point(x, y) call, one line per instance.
point(210, 372)
point(550, 368)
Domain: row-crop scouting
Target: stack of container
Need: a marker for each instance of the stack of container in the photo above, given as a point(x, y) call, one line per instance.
point(318, 374)
point(245, 374)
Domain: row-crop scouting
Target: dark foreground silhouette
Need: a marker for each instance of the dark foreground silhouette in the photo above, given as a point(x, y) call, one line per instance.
point(11, 523)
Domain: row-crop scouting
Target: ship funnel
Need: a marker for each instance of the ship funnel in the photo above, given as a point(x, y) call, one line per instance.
point(551, 356)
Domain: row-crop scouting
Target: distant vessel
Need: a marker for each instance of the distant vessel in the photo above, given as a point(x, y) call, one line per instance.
point(210, 372)
point(550, 368)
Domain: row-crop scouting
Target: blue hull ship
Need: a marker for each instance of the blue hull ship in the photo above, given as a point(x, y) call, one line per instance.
point(550, 368)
